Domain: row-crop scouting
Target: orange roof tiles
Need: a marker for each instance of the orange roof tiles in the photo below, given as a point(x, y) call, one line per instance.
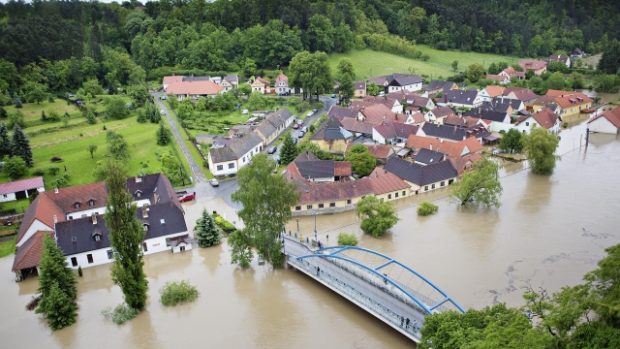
point(28, 255)
point(200, 87)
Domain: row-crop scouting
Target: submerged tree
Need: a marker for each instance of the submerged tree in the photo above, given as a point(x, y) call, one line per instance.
point(267, 199)
point(207, 233)
point(481, 184)
point(540, 146)
point(57, 286)
point(377, 216)
point(126, 236)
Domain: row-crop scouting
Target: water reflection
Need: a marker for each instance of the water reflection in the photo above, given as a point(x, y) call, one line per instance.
point(536, 194)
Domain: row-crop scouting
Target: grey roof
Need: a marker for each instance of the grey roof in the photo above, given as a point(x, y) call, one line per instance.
point(78, 235)
point(315, 168)
point(359, 85)
point(147, 186)
point(273, 122)
point(232, 78)
point(491, 115)
point(404, 79)
point(332, 130)
point(444, 131)
point(466, 97)
point(439, 85)
point(428, 157)
point(420, 174)
point(238, 147)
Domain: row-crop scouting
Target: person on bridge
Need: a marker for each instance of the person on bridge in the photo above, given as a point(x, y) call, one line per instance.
point(407, 322)
point(402, 321)
point(318, 270)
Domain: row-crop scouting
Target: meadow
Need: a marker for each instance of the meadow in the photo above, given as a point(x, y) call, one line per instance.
point(368, 63)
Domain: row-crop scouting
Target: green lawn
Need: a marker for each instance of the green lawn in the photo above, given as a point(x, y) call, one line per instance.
point(32, 111)
point(368, 63)
point(7, 248)
point(19, 206)
point(71, 144)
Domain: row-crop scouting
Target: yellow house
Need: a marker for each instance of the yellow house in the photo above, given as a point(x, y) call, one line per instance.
point(571, 103)
point(332, 137)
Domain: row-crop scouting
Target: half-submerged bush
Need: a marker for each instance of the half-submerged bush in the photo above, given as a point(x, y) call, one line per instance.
point(427, 209)
point(346, 239)
point(120, 314)
point(174, 293)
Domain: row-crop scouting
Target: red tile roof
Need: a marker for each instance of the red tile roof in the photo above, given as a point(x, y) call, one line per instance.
point(28, 255)
point(383, 182)
point(566, 99)
point(312, 192)
point(354, 125)
point(522, 94)
point(378, 113)
point(454, 149)
point(172, 79)
point(199, 87)
point(342, 168)
point(532, 64)
point(494, 90)
point(43, 209)
point(68, 198)
point(21, 185)
point(546, 118)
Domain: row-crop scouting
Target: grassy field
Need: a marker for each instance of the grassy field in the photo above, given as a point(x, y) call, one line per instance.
point(7, 248)
point(369, 63)
point(71, 145)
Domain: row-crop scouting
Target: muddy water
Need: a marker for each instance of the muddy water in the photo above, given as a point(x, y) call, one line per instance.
point(548, 232)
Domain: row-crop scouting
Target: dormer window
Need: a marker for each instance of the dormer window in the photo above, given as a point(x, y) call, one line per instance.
point(138, 193)
point(91, 203)
point(145, 226)
point(97, 236)
point(76, 205)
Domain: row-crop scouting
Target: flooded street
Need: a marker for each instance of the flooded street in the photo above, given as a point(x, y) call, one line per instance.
point(548, 232)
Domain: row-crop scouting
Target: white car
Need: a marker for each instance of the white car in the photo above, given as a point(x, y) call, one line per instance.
point(310, 113)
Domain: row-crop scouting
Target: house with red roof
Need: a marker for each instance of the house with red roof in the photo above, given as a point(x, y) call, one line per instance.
point(21, 189)
point(260, 85)
point(571, 103)
point(544, 118)
point(193, 87)
point(606, 122)
point(282, 87)
point(537, 66)
point(392, 133)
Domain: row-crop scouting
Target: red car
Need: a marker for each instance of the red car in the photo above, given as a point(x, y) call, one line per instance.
point(186, 196)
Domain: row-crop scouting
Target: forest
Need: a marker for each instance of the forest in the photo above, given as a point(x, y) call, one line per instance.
point(55, 46)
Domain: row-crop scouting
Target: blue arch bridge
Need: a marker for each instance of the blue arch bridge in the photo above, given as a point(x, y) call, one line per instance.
point(389, 290)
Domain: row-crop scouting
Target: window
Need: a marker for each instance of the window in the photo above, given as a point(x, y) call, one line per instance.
point(297, 208)
point(76, 205)
point(5, 196)
point(349, 202)
point(309, 207)
point(443, 183)
point(97, 237)
point(527, 123)
point(433, 186)
point(89, 257)
point(220, 167)
point(425, 187)
point(417, 192)
point(144, 247)
point(396, 195)
point(73, 262)
point(321, 205)
point(450, 181)
point(404, 193)
point(389, 196)
point(332, 204)
point(110, 254)
point(91, 202)
point(231, 165)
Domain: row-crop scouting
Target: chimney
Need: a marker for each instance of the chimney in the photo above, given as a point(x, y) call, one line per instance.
point(55, 219)
point(145, 212)
point(162, 221)
point(138, 179)
point(94, 219)
point(56, 190)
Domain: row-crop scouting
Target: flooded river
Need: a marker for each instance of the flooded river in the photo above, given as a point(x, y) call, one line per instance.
point(548, 232)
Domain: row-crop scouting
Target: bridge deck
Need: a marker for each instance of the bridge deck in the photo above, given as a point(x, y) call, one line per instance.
point(362, 287)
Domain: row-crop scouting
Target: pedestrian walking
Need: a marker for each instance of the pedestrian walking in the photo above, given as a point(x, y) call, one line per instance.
point(407, 323)
point(402, 321)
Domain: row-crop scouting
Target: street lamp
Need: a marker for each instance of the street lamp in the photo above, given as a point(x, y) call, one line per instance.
point(315, 234)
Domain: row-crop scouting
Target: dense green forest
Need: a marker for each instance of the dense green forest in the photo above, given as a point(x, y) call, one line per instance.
point(57, 45)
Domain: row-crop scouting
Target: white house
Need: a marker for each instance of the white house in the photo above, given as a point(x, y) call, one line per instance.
point(281, 86)
point(227, 160)
point(606, 122)
point(21, 189)
point(398, 82)
point(544, 118)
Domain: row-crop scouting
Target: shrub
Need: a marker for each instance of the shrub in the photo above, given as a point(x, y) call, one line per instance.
point(225, 225)
point(347, 239)
point(56, 159)
point(38, 172)
point(120, 314)
point(53, 171)
point(174, 293)
point(427, 209)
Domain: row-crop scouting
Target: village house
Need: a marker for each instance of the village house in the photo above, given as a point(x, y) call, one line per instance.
point(73, 216)
point(496, 120)
point(571, 103)
point(606, 122)
point(564, 59)
point(461, 154)
point(523, 94)
point(191, 86)
point(537, 66)
point(422, 178)
point(439, 86)
point(230, 82)
point(381, 152)
point(460, 99)
point(544, 118)
point(359, 89)
point(412, 101)
point(332, 137)
point(378, 113)
point(21, 189)
point(499, 79)
point(392, 133)
point(274, 124)
point(491, 91)
point(445, 132)
point(229, 159)
point(260, 85)
point(438, 114)
point(398, 82)
point(281, 86)
point(356, 127)
point(391, 102)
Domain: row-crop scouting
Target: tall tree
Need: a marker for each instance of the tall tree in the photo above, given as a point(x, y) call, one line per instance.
point(362, 161)
point(126, 236)
point(310, 72)
point(346, 77)
point(512, 141)
point(540, 146)
point(474, 72)
point(173, 168)
point(288, 152)
point(163, 135)
point(21, 146)
point(377, 216)
point(118, 148)
point(207, 233)
point(5, 143)
point(92, 148)
point(481, 184)
point(267, 199)
point(57, 287)
point(15, 167)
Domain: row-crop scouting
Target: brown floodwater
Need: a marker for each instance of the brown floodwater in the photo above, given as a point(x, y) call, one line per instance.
point(548, 232)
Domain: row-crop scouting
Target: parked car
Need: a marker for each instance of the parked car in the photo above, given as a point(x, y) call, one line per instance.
point(271, 150)
point(310, 113)
point(300, 134)
point(304, 129)
point(185, 196)
point(164, 97)
point(214, 182)
point(295, 126)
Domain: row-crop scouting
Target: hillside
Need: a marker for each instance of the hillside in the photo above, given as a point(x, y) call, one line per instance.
point(369, 63)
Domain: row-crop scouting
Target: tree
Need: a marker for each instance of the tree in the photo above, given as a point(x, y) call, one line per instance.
point(152, 113)
point(35, 92)
point(455, 65)
point(207, 233)
point(5, 143)
point(173, 169)
point(555, 81)
point(512, 141)
point(15, 167)
point(345, 76)
point(320, 34)
point(116, 108)
point(373, 89)
point(126, 236)
point(91, 88)
point(266, 199)
point(288, 152)
point(118, 148)
point(540, 146)
point(610, 61)
point(21, 146)
point(604, 282)
point(345, 239)
point(474, 72)
point(139, 94)
point(310, 71)
point(362, 161)
point(90, 116)
point(92, 148)
point(557, 67)
point(377, 216)
point(249, 67)
point(57, 287)
point(163, 135)
point(481, 184)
